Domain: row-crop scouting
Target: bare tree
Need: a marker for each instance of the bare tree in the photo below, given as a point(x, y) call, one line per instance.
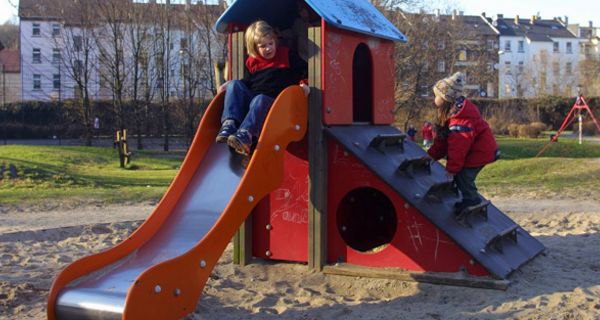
point(110, 40)
point(78, 57)
point(589, 75)
point(431, 55)
point(138, 39)
point(9, 35)
point(163, 46)
point(200, 49)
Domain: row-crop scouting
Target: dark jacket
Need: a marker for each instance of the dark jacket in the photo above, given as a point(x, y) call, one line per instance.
point(469, 142)
point(270, 77)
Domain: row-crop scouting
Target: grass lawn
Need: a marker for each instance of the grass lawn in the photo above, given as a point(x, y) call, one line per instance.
point(566, 169)
point(91, 174)
point(83, 174)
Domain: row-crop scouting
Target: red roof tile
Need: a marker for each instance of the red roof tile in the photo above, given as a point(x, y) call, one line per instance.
point(11, 61)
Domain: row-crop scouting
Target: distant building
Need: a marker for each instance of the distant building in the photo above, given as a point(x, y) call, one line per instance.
point(54, 33)
point(10, 76)
point(536, 57)
point(446, 43)
point(477, 55)
point(589, 39)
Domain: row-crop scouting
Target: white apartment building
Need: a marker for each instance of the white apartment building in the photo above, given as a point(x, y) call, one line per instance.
point(536, 57)
point(53, 43)
point(589, 40)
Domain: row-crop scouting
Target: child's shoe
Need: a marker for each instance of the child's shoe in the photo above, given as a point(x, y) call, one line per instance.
point(241, 142)
point(460, 206)
point(228, 128)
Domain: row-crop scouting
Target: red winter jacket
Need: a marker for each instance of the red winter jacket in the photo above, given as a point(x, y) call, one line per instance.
point(469, 142)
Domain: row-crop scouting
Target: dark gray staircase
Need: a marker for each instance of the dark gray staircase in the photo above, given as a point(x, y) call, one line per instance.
point(487, 234)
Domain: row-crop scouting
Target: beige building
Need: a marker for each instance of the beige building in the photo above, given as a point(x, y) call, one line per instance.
point(10, 76)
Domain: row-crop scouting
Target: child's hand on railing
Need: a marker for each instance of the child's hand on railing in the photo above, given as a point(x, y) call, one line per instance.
point(222, 87)
point(305, 88)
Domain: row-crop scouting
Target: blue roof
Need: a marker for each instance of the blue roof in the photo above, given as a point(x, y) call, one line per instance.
point(354, 15)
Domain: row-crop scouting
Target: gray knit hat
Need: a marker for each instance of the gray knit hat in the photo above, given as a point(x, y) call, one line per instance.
point(450, 88)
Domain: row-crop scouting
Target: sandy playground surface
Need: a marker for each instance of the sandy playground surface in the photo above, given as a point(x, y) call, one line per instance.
point(564, 283)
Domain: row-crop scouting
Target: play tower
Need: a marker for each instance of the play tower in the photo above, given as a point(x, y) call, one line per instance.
point(330, 183)
point(355, 192)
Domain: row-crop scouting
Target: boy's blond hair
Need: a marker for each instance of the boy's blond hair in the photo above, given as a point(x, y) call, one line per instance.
point(255, 32)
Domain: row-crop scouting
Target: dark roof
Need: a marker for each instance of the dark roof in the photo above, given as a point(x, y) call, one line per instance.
point(467, 27)
point(539, 30)
point(354, 15)
point(477, 25)
point(11, 61)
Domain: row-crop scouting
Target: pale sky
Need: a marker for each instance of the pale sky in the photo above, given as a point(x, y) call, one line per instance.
point(578, 11)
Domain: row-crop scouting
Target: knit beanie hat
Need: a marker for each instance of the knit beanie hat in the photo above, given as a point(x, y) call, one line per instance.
point(450, 88)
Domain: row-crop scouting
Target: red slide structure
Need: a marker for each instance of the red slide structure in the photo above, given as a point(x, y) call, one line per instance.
point(159, 272)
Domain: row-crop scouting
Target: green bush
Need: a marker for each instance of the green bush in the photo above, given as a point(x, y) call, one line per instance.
point(40, 120)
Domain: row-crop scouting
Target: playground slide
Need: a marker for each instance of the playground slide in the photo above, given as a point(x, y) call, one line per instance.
point(159, 272)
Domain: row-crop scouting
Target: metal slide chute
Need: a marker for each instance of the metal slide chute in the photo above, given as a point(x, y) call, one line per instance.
point(159, 272)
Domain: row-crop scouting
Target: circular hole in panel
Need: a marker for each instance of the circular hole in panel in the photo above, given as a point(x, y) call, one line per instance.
point(366, 220)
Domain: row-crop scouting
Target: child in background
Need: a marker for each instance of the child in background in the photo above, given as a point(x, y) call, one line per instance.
point(427, 133)
point(270, 69)
point(411, 132)
point(463, 137)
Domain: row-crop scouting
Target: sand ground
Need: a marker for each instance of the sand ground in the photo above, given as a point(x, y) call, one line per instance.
point(564, 283)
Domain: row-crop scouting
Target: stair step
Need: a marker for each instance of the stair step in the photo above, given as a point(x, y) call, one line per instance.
point(496, 242)
point(411, 166)
point(440, 190)
point(382, 141)
point(464, 217)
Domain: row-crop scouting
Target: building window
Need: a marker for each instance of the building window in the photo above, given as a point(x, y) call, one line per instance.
point(37, 82)
point(569, 68)
point(543, 80)
point(77, 43)
point(36, 31)
point(55, 55)
point(462, 55)
point(441, 45)
point(55, 30)
point(56, 82)
point(507, 89)
point(569, 47)
point(555, 89)
point(556, 68)
point(507, 67)
point(555, 47)
point(521, 46)
point(77, 68)
point(37, 55)
point(183, 43)
point(491, 44)
point(507, 46)
point(441, 66)
point(521, 66)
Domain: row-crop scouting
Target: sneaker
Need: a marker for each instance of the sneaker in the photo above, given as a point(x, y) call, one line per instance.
point(226, 130)
point(462, 205)
point(241, 142)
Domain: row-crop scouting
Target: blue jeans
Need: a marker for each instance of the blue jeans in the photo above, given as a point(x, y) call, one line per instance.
point(465, 181)
point(246, 108)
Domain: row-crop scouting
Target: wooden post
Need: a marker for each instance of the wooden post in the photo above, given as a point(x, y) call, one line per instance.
point(242, 241)
point(317, 157)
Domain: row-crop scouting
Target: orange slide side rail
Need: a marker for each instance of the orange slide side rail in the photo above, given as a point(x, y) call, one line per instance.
point(182, 279)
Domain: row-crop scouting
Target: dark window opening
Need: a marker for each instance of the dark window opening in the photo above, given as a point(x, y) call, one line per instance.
point(362, 85)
